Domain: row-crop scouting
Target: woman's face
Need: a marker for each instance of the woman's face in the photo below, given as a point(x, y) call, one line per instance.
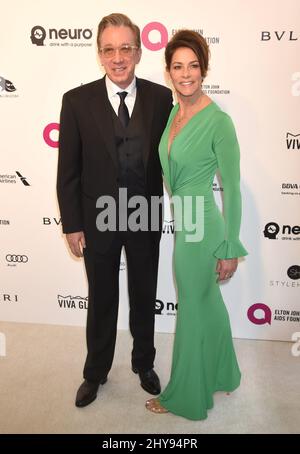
point(185, 72)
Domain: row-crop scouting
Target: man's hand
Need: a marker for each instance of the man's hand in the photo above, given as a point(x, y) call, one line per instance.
point(226, 268)
point(76, 243)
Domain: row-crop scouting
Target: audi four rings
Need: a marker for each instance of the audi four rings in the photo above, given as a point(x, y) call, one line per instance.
point(17, 258)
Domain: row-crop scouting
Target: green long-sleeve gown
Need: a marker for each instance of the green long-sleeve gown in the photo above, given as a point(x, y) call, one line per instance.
point(204, 360)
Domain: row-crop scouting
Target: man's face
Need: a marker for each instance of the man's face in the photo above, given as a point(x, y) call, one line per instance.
point(119, 67)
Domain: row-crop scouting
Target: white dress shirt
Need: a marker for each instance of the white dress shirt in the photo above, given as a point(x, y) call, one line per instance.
point(114, 98)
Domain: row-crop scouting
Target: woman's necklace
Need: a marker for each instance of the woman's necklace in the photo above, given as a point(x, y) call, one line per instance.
point(180, 122)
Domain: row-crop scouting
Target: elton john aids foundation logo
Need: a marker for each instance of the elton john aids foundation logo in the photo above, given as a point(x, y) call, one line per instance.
point(49, 132)
point(259, 314)
point(154, 36)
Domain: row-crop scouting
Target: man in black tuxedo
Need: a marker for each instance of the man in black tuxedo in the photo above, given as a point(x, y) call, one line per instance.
point(109, 135)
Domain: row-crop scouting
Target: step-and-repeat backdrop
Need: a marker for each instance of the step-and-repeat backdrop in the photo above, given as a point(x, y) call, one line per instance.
point(48, 48)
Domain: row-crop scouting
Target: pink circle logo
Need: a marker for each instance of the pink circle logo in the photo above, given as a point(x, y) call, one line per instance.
point(47, 134)
point(266, 318)
point(162, 42)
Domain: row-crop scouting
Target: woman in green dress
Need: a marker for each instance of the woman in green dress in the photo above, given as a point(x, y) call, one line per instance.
point(200, 139)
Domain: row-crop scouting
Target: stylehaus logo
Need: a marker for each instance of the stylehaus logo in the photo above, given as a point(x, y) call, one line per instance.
point(288, 232)
point(73, 37)
point(7, 88)
point(293, 272)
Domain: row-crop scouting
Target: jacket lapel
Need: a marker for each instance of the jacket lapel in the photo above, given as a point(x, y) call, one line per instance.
point(101, 111)
point(147, 110)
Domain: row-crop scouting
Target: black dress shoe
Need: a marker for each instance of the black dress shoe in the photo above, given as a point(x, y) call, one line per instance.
point(149, 381)
point(87, 392)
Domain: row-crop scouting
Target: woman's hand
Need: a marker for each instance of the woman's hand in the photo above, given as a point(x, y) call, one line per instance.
point(226, 268)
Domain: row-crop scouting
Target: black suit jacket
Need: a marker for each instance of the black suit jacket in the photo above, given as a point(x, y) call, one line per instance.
point(88, 164)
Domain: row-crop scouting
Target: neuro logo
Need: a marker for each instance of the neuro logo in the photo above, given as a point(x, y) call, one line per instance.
point(38, 35)
point(171, 308)
point(6, 85)
point(61, 37)
point(159, 305)
point(47, 132)
point(271, 230)
point(253, 316)
point(160, 42)
point(23, 179)
point(294, 272)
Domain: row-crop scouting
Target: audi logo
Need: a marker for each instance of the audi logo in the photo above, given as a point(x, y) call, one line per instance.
point(17, 258)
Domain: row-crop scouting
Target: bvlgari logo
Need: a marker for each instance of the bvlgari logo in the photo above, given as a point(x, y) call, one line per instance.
point(279, 35)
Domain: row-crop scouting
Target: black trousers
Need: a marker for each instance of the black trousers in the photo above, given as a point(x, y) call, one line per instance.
point(103, 278)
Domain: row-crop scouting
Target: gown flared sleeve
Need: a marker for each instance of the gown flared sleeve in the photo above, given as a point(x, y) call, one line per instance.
point(226, 149)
